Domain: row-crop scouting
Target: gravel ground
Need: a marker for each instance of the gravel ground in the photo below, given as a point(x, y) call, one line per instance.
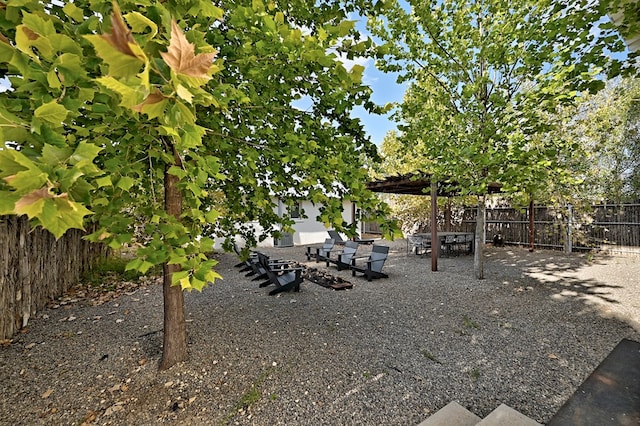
point(387, 352)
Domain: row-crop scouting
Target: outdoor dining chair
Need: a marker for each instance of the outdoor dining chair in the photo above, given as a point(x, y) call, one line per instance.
point(418, 244)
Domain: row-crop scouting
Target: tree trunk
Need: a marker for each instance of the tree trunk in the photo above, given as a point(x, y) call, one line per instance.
point(175, 331)
point(478, 260)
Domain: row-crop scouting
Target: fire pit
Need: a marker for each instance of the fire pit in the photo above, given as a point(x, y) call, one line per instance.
point(326, 280)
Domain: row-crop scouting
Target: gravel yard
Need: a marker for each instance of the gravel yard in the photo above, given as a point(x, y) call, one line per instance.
point(387, 352)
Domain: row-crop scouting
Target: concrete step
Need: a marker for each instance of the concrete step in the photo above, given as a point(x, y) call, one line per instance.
point(507, 416)
point(453, 414)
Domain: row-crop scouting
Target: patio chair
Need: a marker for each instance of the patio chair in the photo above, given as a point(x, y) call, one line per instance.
point(245, 265)
point(321, 252)
point(337, 238)
point(373, 264)
point(468, 243)
point(281, 274)
point(343, 259)
point(448, 245)
point(418, 244)
point(257, 269)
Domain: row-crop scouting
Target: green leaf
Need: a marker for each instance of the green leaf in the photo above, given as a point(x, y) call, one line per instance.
point(59, 214)
point(206, 9)
point(120, 64)
point(177, 171)
point(139, 264)
point(104, 181)
point(130, 95)
point(27, 180)
point(53, 155)
point(139, 24)
point(356, 73)
point(86, 152)
point(7, 202)
point(178, 276)
point(194, 283)
point(74, 12)
point(6, 52)
point(51, 112)
point(125, 183)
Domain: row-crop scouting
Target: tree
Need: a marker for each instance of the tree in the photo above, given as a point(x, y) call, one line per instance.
point(607, 127)
point(412, 211)
point(486, 76)
point(163, 122)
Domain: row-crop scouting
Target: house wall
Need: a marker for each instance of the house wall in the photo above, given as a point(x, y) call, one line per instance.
point(306, 231)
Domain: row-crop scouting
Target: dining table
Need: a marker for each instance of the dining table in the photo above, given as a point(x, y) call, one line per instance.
point(450, 242)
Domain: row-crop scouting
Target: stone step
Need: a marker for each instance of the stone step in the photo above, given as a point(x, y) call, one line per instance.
point(453, 414)
point(507, 416)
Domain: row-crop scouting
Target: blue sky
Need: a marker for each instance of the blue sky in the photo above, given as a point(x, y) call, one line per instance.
point(385, 90)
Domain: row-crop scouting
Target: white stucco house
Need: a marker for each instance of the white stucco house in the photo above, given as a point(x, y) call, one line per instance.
point(306, 230)
point(629, 27)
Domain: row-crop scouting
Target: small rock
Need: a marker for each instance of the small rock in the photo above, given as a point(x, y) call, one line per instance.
point(113, 409)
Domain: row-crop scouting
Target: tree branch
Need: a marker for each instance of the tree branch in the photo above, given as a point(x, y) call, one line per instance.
point(452, 94)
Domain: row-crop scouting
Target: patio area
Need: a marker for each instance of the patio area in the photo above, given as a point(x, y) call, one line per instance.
point(387, 352)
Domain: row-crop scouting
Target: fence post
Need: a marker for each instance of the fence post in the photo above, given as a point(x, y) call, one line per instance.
point(569, 244)
point(484, 221)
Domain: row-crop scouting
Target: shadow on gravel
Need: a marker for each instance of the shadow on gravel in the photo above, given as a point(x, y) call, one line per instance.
point(564, 275)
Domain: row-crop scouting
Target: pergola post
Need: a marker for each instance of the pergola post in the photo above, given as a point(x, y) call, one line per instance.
point(435, 242)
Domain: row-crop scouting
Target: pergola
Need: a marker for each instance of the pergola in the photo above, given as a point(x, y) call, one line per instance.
point(417, 184)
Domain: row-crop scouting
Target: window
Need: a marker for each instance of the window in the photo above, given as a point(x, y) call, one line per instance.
point(294, 211)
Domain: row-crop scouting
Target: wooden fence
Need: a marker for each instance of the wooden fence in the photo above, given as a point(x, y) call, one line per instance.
point(612, 228)
point(35, 268)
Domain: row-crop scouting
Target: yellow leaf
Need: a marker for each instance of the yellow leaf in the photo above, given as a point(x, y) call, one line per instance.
point(185, 283)
point(184, 93)
point(181, 56)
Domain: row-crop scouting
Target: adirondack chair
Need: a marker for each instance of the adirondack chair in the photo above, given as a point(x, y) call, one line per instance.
point(245, 265)
point(281, 274)
point(373, 264)
point(343, 257)
point(337, 238)
point(321, 252)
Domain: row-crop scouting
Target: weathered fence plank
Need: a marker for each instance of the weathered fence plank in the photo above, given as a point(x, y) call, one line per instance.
point(36, 268)
point(615, 228)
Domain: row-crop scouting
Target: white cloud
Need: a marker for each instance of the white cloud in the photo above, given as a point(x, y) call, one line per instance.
point(349, 63)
